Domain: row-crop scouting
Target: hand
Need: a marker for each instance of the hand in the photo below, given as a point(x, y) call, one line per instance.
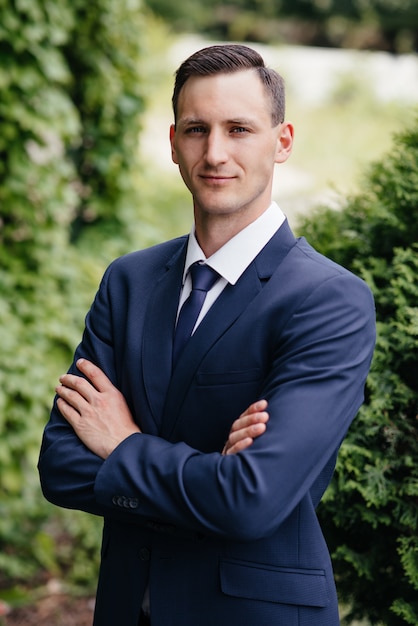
point(249, 425)
point(95, 408)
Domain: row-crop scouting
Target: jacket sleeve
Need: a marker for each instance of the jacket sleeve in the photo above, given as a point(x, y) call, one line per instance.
point(314, 389)
point(67, 468)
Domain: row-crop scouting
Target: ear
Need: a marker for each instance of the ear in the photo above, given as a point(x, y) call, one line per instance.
point(284, 142)
point(172, 142)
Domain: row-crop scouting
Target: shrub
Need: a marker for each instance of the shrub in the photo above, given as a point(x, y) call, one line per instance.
point(370, 512)
point(70, 104)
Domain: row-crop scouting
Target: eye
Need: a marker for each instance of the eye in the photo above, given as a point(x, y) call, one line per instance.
point(195, 130)
point(239, 130)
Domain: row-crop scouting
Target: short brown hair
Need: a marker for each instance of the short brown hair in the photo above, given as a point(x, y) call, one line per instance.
point(229, 58)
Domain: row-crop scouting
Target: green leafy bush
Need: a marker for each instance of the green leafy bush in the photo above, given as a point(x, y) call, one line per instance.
point(370, 513)
point(103, 55)
point(70, 105)
point(375, 24)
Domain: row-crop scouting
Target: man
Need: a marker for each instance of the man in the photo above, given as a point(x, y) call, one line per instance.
point(198, 533)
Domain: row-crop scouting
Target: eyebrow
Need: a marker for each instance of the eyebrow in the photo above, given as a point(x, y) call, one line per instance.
point(238, 121)
point(189, 121)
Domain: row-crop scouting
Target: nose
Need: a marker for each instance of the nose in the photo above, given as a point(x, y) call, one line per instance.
point(216, 148)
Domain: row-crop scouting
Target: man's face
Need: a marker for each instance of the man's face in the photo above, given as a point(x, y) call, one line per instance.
point(225, 145)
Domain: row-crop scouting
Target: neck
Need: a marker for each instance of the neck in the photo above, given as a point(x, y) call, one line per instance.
point(214, 231)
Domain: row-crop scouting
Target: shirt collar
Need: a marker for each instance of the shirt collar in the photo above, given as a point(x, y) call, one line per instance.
point(235, 256)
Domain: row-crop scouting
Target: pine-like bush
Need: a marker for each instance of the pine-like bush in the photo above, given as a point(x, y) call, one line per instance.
point(370, 513)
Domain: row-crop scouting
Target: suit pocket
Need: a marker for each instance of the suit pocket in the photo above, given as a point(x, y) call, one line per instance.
point(236, 377)
point(257, 581)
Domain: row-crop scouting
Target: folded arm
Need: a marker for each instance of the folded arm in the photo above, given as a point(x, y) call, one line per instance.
point(101, 418)
point(314, 389)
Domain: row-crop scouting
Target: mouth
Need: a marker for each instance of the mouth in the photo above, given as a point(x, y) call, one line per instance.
point(216, 179)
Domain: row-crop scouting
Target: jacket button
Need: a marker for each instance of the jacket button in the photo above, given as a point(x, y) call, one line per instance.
point(133, 503)
point(144, 554)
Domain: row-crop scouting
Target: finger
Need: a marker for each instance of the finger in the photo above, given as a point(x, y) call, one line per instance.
point(256, 407)
point(78, 385)
point(241, 445)
point(94, 374)
point(242, 439)
point(247, 420)
point(68, 412)
point(72, 396)
point(253, 431)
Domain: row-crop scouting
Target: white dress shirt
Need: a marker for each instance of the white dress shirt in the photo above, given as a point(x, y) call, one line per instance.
point(233, 258)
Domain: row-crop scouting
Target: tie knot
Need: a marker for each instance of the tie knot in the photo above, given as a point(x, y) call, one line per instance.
point(203, 277)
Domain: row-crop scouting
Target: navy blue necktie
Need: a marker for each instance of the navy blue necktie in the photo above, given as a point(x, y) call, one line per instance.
point(203, 279)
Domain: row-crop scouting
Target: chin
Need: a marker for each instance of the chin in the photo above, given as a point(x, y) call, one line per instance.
point(217, 206)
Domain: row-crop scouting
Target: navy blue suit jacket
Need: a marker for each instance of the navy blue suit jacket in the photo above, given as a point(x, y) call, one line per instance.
point(218, 539)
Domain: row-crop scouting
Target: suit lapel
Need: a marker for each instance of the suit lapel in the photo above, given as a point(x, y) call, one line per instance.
point(159, 324)
point(275, 251)
point(223, 313)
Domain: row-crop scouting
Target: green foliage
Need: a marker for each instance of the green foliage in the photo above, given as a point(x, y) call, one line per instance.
point(376, 24)
point(70, 105)
point(103, 55)
point(371, 510)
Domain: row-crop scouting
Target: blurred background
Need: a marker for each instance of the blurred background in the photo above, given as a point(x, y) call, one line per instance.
point(86, 175)
point(345, 104)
